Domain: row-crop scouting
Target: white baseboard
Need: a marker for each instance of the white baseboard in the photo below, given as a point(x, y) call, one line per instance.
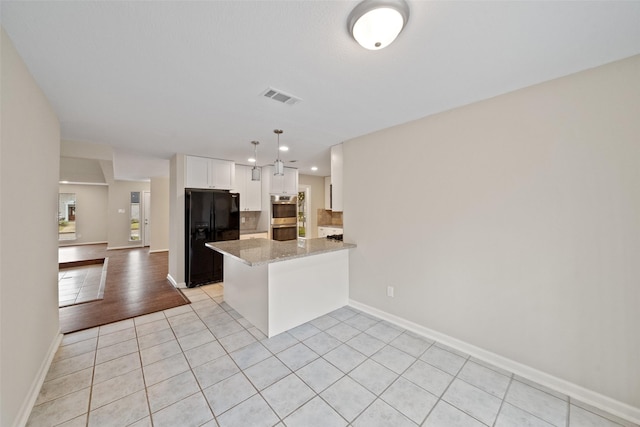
point(81, 244)
point(113, 248)
point(158, 250)
point(572, 390)
point(175, 283)
point(36, 385)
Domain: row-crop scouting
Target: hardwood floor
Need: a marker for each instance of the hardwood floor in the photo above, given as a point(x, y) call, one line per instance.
point(136, 284)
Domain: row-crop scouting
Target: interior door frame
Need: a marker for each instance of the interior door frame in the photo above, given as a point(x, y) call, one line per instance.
point(146, 218)
point(307, 204)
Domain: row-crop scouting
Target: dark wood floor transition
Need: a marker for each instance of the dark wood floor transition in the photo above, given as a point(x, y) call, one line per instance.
point(136, 284)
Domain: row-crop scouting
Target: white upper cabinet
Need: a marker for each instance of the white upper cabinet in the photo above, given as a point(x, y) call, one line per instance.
point(287, 184)
point(250, 191)
point(336, 178)
point(202, 172)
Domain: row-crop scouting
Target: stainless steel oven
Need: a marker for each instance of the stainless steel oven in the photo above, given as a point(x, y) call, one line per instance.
point(284, 218)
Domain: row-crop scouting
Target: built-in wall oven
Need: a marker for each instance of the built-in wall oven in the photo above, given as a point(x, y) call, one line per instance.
point(284, 218)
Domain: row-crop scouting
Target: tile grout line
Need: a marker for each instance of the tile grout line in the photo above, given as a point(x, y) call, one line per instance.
point(256, 339)
point(215, 417)
point(144, 377)
point(503, 400)
point(93, 373)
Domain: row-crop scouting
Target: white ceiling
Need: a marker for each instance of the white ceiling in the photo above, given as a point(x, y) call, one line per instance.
point(155, 78)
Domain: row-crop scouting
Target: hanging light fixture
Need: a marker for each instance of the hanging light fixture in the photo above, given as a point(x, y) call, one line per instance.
point(279, 164)
point(375, 24)
point(255, 171)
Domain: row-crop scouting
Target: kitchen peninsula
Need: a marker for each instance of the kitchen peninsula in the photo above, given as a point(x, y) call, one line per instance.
point(280, 285)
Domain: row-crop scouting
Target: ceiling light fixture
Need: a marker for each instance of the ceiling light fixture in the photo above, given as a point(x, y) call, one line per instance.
point(278, 164)
point(375, 24)
point(314, 168)
point(255, 170)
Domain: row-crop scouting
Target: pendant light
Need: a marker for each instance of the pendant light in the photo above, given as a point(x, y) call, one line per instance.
point(278, 164)
point(375, 24)
point(255, 171)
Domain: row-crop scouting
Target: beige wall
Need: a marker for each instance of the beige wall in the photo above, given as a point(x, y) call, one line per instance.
point(159, 220)
point(86, 150)
point(30, 147)
point(119, 223)
point(317, 200)
point(91, 213)
point(514, 225)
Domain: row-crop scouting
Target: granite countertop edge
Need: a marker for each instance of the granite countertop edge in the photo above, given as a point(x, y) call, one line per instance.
point(333, 247)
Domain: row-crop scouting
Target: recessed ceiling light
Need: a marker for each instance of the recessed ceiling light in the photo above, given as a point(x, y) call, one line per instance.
point(251, 159)
point(314, 168)
point(284, 148)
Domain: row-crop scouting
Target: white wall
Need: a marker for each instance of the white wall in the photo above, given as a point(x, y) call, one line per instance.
point(512, 224)
point(159, 220)
point(29, 152)
point(91, 213)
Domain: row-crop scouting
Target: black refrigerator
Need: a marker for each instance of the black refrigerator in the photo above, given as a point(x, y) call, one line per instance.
point(210, 216)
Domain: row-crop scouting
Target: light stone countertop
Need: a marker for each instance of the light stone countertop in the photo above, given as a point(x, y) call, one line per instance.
point(264, 251)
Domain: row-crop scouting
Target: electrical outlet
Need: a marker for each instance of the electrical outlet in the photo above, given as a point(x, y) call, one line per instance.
point(390, 291)
point(242, 220)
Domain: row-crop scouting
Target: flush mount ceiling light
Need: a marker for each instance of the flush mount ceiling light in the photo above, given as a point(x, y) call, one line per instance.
point(255, 170)
point(375, 24)
point(278, 164)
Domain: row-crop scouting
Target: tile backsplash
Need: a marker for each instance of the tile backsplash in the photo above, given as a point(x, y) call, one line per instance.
point(250, 221)
point(329, 218)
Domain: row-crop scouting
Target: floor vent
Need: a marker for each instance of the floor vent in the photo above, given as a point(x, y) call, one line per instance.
point(280, 96)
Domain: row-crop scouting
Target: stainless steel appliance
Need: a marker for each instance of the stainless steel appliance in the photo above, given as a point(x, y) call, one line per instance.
point(284, 218)
point(210, 216)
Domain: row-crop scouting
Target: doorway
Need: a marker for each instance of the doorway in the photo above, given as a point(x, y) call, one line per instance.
point(304, 211)
point(146, 208)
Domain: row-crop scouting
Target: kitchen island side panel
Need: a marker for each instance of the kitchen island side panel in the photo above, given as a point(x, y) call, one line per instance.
point(302, 289)
point(246, 291)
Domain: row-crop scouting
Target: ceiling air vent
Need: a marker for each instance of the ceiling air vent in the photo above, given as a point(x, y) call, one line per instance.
point(280, 96)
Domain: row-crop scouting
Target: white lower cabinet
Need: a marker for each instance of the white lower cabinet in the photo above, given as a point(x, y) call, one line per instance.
point(263, 235)
point(328, 231)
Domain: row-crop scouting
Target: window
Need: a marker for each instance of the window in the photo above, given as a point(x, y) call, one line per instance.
point(134, 232)
point(67, 216)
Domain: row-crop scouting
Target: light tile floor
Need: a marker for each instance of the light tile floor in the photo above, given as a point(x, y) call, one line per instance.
point(80, 284)
point(204, 365)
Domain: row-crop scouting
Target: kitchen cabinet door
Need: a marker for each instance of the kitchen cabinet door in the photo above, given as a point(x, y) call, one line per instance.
point(250, 191)
point(253, 193)
point(287, 184)
point(290, 184)
point(327, 192)
point(203, 172)
point(221, 174)
point(197, 172)
point(336, 178)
